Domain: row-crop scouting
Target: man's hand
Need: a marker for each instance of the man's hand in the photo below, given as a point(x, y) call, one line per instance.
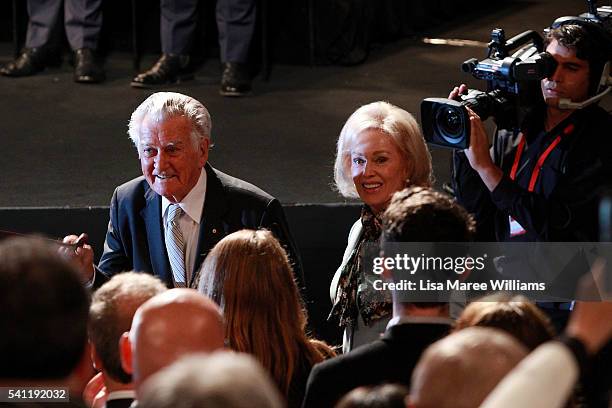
point(95, 392)
point(478, 153)
point(458, 90)
point(81, 256)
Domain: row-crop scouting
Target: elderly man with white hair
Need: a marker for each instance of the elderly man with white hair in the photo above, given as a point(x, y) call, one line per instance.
point(166, 221)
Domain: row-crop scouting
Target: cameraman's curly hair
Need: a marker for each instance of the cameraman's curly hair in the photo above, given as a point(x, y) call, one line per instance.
point(590, 42)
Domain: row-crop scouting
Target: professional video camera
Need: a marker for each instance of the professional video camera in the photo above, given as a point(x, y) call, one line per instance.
point(513, 84)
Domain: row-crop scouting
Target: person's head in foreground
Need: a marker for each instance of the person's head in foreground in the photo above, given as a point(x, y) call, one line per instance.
point(44, 317)
point(460, 370)
point(172, 133)
point(248, 273)
point(381, 396)
point(515, 315)
point(422, 214)
point(220, 380)
point(166, 327)
point(110, 315)
point(380, 150)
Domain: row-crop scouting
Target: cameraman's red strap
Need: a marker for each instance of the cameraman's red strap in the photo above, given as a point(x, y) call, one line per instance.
point(536, 171)
point(540, 162)
point(517, 157)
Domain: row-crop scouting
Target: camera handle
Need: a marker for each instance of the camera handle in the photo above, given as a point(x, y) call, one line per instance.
point(523, 38)
point(592, 4)
point(499, 48)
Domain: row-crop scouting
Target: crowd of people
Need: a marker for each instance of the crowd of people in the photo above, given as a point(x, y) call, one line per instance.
point(198, 297)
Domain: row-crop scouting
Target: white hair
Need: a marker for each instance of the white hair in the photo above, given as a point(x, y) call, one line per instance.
point(403, 130)
point(223, 379)
point(162, 105)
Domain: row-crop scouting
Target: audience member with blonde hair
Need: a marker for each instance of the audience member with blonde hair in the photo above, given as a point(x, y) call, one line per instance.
point(380, 150)
point(515, 315)
point(249, 275)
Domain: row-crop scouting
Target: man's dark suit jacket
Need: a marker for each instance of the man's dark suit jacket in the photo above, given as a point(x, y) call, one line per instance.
point(135, 236)
point(388, 360)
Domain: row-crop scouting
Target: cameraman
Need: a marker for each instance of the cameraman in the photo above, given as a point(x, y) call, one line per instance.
point(544, 182)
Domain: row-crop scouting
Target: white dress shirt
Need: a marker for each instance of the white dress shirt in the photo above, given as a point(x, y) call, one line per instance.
point(123, 394)
point(189, 222)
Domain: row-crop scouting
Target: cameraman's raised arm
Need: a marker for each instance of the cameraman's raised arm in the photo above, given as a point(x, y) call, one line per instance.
point(478, 153)
point(565, 188)
point(470, 190)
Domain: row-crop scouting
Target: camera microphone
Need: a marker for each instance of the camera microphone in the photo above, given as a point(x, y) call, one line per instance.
point(568, 104)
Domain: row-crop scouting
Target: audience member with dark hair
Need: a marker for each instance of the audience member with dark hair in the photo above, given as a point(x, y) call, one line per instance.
point(110, 315)
point(383, 396)
point(517, 190)
point(220, 380)
point(44, 319)
point(249, 274)
point(415, 325)
point(460, 370)
point(166, 327)
point(426, 215)
point(515, 315)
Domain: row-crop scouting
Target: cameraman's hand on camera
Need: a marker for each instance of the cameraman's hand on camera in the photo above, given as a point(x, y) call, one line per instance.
point(478, 153)
point(458, 90)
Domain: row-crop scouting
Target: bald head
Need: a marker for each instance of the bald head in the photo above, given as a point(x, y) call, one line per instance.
point(467, 365)
point(170, 325)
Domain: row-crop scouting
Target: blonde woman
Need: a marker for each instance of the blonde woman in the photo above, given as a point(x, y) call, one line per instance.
point(380, 150)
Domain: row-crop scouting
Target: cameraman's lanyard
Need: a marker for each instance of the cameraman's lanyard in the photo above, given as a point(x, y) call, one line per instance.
point(515, 227)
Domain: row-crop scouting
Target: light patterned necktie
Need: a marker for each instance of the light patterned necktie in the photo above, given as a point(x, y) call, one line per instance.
point(175, 245)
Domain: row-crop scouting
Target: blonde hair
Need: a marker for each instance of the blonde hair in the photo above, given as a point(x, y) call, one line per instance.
point(249, 274)
point(397, 124)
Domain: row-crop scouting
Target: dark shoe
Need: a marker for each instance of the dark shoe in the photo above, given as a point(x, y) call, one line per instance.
point(169, 69)
point(30, 62)
point(236, 79)
point(87, 70)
